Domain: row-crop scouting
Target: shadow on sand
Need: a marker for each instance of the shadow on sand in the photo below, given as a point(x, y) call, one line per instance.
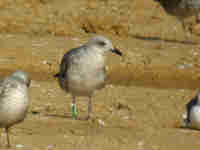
point(158, 39)
point(59, 116)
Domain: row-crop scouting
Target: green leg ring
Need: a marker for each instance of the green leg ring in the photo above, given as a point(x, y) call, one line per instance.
point(74, 111)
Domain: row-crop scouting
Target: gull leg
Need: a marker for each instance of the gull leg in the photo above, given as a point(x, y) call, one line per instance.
point(89, 108)
point(187, 33)
point(74, 111)
point(7, 135)
point(197, 17)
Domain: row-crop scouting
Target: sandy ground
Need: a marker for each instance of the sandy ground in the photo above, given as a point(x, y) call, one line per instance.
point(142, 105)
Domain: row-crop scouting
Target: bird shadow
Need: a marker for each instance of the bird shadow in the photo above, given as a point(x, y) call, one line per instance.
point(187, 128)
point(51, 115)
point(59, 116)
point(70, 117)
point(158, 39)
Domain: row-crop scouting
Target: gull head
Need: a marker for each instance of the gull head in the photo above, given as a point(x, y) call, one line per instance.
point(22, 76)
point(103, 44)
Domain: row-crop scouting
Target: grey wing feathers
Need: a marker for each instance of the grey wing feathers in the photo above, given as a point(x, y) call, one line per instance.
point(64, 66)
point(67, 60)
point(65, 63)
point(1, 85)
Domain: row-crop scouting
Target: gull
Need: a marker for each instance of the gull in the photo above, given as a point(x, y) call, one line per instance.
point(13, 100)
point(182, 9)
point(192, 119)
point(82, 70)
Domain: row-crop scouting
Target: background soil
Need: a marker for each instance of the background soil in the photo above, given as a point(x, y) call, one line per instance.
point(143, 102)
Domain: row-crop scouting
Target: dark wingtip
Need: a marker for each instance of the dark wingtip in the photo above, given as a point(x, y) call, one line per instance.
point(56, 75)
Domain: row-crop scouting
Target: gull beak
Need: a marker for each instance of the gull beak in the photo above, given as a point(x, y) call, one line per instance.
point(117, 51)
point(28, 83)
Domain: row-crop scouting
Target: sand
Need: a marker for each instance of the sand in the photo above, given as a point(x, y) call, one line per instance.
point(142, 105)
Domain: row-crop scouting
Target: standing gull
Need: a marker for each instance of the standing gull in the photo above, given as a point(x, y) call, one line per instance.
point(182, 9)
point(192, 119)
point(13, 100)
point(82, 70)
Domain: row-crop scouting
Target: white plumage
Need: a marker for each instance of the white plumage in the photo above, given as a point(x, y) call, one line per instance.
point(193, 113)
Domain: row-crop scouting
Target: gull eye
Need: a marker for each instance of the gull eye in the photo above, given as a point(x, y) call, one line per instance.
point(102, 43)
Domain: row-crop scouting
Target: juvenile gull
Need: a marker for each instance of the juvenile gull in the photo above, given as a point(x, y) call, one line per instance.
point(82, 70)
point(193, 113)
point(182, 9)
point(13, 100)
